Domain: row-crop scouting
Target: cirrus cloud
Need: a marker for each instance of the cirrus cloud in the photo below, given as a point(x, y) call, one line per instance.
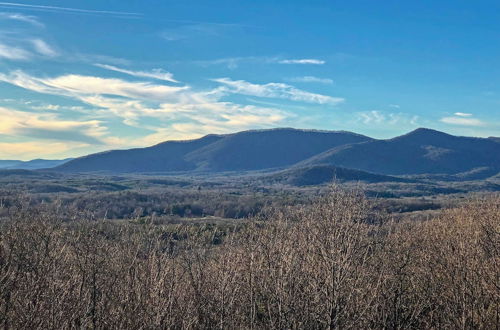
point(303, 61)
point(275, 90)
point(158, 74)
point(462, 121)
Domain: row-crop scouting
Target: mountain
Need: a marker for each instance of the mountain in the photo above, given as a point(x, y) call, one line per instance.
point(8, 163)
point(423, 151)
point(32, 164)
point(244, 151)
point(265, 149)
point(321, 174)
point(418, 152)
point(164, 157)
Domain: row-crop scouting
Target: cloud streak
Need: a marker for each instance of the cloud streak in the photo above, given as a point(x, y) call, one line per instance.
point(462, 114)
point(22, 18)
point(68, 9)
point(376, 117)
point(43, 48)
point(462, 121)
point(48, 127)
point(275, 90)
point(312, 79)
point(13, 53)
point(158, 74)
point(302, 61)
point(177, 112)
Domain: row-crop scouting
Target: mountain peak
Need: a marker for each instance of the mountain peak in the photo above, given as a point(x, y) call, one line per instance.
point(424, 136)
point(421, 131)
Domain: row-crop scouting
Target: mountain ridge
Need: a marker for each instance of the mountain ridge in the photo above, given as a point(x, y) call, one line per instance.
point(241, 151)
point(421, 151)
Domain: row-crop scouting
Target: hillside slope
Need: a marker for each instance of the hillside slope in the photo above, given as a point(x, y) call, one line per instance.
point(265, 149)
point(321, 174)
point(418, 152)
point(166, 156)
point(244, 151)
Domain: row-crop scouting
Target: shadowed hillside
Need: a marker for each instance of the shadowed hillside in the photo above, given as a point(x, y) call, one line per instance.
point(250, 150)
point(264, 149)
point(166, 156)
point(423, 151)
point(321, 174)
point(418, 152)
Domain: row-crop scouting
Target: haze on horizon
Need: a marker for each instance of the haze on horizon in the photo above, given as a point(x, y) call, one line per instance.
point(87, 76)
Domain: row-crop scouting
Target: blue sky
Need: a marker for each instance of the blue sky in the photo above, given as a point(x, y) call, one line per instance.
point(78, 77)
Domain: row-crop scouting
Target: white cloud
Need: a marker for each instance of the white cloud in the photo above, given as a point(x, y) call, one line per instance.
point(462, 114)
point(395, 106)
point(13, 53)
point(22, 18)
point(312, 79)
point(462, 121)
point(234, 62)
point(178, 112)
point(43, 48)
point(49, 127)
point(302, 61)
point(381, 118)
point(275, 90)
point(80, 86)
point(154, 74)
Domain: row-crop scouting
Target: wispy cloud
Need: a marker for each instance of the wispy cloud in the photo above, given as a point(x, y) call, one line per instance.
point(302, 61)
point(376, 117)
point(178, 112)
point(234, 62)
point(275, 90)
point(158, 74)
point(43, 48)
point(22, 18)
point(13, 52)
point(463, 114)
point(462, 121)
point(68, 9)
point(311, 79)
point(48, 126)
point(78, 85)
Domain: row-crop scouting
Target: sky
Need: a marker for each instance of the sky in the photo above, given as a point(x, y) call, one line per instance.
point(84, 76)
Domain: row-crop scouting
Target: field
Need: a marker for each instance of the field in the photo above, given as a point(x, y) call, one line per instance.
point(187, 252)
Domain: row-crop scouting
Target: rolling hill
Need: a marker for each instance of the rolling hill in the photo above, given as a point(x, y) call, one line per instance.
point(244, 151)
point(321, 174)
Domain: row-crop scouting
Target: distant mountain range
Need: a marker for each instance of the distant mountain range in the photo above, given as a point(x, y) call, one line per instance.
point(308, 156)
point(35, 164)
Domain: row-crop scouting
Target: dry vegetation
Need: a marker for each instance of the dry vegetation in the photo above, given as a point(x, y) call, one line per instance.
point(335, 264)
